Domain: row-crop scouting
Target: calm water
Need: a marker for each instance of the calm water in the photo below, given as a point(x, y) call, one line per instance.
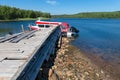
point(100, 37)
point(13, 26)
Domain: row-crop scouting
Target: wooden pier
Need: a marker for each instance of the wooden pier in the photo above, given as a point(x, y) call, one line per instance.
point(22, 59)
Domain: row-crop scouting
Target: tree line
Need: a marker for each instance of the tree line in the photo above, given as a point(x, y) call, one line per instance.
point(10, 13)
point(91, 15)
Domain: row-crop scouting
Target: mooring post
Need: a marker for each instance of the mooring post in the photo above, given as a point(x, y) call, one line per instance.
point(22, 28)
point(29, 27)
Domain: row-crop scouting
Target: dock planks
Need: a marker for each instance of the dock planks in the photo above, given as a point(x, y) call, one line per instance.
point(14, 56)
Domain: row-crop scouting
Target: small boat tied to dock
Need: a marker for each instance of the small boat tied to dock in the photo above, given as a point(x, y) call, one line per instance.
point(22, 54)
point(66, 30)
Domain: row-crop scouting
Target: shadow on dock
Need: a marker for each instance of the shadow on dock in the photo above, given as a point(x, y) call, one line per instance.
point(46, 70)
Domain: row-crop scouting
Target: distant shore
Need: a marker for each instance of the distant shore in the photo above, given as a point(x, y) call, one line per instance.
point(23, 19)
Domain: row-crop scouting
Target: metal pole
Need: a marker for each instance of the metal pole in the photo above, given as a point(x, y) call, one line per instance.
point(29, 27)
point(22, 28)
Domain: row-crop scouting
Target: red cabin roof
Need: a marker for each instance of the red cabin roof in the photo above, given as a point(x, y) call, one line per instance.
point(45, 22)
point(66, 25)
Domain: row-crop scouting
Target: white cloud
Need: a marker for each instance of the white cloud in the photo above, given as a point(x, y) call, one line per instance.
point(52, 2)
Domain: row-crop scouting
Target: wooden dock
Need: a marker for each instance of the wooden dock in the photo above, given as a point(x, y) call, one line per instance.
point(22, 60)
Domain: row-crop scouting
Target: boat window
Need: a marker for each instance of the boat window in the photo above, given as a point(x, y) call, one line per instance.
point(47, 26)
point(63, 27)
point(41, 25)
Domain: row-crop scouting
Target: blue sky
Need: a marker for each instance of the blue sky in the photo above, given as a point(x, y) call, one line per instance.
point(65, 6)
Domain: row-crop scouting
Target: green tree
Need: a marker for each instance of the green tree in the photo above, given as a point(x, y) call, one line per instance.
point(7, 13)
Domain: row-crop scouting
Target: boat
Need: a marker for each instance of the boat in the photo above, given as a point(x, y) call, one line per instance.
point(65, 28)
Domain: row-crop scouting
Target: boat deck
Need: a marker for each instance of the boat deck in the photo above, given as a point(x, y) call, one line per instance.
point(15, 56)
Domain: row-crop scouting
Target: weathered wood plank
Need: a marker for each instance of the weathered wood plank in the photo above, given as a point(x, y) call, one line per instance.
point(13, 56)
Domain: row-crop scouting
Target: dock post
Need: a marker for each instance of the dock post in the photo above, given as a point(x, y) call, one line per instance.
point(22, 28)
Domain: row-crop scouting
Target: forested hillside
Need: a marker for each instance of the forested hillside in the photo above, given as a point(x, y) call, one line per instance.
point(10, 13)
point(91, 15)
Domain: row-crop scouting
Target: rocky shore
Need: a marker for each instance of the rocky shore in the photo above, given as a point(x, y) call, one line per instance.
point(70, 64)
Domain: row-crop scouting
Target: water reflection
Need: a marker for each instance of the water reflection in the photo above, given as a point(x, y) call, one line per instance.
point(14, 26)
point(4, 31)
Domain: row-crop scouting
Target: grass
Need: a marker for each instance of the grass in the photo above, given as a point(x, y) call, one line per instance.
point(23, 19)
point(26, 18)
point(42, 18)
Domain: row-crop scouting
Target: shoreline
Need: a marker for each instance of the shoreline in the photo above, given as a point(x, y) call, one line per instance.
point(109, 68)
point(23, 19)
point(71, 64)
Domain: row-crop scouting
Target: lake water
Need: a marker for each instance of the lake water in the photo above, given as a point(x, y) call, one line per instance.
point(13, 26)
point(97, 37)
point(99, 40)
